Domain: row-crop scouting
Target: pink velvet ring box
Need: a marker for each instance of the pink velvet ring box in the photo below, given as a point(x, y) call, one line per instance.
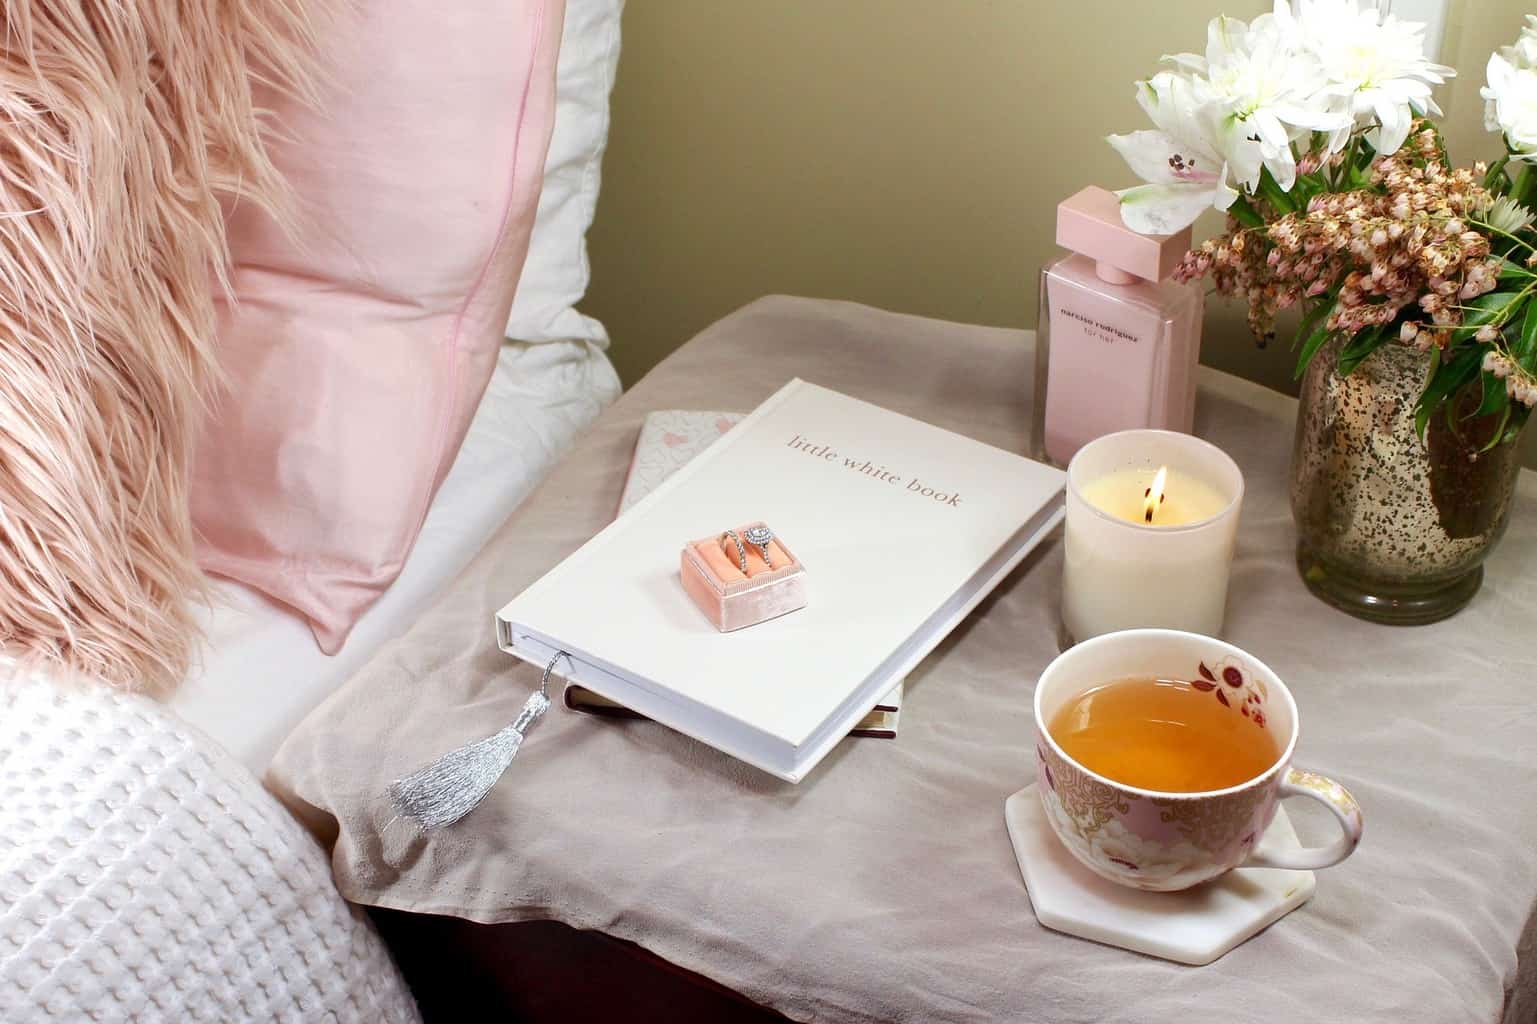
point(732, 600)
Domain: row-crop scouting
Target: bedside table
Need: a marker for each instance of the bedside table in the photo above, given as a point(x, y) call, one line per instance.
point(884, 886)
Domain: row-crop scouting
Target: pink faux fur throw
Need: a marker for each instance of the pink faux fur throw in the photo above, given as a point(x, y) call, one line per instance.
point(124, 124)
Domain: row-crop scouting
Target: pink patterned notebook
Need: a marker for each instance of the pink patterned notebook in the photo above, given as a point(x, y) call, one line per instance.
point(668, 439)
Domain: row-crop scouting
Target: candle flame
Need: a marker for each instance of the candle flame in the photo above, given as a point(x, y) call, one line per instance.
point(1153, 496)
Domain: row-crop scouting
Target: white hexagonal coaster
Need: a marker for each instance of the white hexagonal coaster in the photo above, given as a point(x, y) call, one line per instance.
point(1192, 927)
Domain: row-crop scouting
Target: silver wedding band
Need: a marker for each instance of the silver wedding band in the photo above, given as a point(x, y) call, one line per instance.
point(741, 550)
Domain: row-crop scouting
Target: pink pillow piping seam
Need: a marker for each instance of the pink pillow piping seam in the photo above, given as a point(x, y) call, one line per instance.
point(424, 503)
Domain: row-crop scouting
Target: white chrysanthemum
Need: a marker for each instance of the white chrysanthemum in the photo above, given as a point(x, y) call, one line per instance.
point(1221, 119)
point(1375, 65)
point(1523, 54)
point(1507, 215)
point(1268, 91)
point(1511, 106)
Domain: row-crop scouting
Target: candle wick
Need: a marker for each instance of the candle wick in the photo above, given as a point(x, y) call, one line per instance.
point(1149, 517)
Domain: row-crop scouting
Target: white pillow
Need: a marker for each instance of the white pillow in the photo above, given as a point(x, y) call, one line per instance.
point(556, 273)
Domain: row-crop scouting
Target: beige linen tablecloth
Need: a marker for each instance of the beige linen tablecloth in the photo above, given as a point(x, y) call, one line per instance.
point(884, 887)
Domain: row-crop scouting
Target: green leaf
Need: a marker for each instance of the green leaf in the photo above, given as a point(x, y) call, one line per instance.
point(1302, 194)
point(1498, 437)
point(1273, 193)
point(1492, 307)
point(1310, 347)
point(1523, 186)
point(1448, 374)
point(1244, 213)
point(1514, 274)
point(1496, 398)
point(1518, 417)
point(1526, 344)
point(1359, 347)
point(1311, 317)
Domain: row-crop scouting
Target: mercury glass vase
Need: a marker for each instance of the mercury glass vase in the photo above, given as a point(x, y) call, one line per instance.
point(1390, 527)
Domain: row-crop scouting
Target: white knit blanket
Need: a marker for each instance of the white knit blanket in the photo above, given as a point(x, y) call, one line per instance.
point(146, 876)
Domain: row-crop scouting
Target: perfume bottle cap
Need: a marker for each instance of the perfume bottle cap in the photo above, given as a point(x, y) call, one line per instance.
point(1090, 223)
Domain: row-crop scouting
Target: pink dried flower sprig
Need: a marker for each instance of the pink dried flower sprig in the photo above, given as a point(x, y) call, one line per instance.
point(1399, 248)
point(1406, 241)
point(1520, 385)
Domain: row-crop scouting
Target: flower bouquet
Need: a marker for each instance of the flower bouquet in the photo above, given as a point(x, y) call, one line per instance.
point(1416, 281)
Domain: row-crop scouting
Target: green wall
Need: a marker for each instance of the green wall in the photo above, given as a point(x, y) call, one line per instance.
point(900, 153)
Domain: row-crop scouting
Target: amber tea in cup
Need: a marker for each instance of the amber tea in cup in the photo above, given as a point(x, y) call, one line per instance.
point(1169, 735)
point(1161, 756)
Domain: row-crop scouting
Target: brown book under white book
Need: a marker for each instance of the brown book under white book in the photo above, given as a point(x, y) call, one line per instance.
point(880, 723)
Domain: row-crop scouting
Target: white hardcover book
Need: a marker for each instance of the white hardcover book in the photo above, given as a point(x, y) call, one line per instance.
point(902, 527)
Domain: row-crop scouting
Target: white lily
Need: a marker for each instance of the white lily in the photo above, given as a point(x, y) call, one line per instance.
point(1375, 66)
point(1185, 171)
point(1511, 105)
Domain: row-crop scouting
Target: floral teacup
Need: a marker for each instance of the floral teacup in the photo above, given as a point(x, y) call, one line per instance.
point(1168, 841)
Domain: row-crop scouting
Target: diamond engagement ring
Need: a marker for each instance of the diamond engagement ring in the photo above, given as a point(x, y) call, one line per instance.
point(741, 552)
point(759, 537)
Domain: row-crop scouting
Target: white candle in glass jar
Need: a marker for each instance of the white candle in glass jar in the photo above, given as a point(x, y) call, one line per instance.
point(1135, 556)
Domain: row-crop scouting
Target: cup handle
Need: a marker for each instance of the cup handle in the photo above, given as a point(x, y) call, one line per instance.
point(1300, 782)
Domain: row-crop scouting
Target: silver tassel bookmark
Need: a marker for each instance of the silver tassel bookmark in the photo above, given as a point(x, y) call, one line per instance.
point(450, 787)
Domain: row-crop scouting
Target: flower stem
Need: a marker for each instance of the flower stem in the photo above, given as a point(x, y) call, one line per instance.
point(1503, 313)
point(1497, 172)
point(1504, 234)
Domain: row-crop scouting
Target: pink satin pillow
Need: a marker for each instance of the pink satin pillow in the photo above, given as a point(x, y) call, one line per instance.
point(356, 351)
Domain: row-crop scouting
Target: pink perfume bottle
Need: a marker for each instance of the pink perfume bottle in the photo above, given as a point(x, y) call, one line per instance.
point(1118, 340)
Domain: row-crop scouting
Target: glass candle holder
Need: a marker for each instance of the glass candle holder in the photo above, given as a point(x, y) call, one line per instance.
point(1151, 520)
